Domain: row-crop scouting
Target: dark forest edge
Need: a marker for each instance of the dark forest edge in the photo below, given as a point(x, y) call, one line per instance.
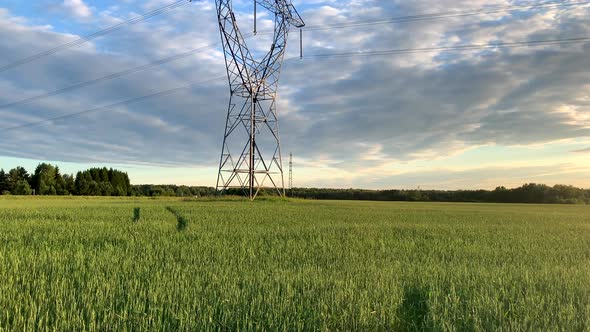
point(48, 180)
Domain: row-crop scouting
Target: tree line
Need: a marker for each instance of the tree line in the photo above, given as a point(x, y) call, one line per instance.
point(528, 193)
point(48, 180)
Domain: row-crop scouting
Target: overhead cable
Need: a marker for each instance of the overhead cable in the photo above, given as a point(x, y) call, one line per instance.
point(94, 35)
point(110, 76)
point(328, 55)
point(451, 14)
point(122, 103)
point(175, 57)
point(534, 43)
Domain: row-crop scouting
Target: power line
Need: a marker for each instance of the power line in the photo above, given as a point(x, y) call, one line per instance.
point(172, 58)
point(443, 15)
point(122, 103)
point(422, 17)
point(110, 76)
point(94, 35)
point(331, 55)
point(116, 75)
point(440, 15)
point(454, 48)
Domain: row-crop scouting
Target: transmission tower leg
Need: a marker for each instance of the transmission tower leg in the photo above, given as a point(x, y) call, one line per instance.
point(252, 146)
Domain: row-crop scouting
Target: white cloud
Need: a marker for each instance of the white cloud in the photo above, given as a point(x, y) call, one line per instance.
point(78, 8)
point(350, 113)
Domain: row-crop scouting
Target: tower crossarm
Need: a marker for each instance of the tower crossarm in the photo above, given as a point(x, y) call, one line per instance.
point(283, 8)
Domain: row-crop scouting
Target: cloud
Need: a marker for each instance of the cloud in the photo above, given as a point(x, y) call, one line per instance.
point(78, 8)
point(446, 178)
point(350, 112)
point(582, 151)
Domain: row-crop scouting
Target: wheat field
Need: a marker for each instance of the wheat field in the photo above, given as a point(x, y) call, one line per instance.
point(94, 264)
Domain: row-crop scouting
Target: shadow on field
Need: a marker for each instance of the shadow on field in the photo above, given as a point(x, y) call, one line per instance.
point(182, 222)
point(136, 214)
point(414, 310)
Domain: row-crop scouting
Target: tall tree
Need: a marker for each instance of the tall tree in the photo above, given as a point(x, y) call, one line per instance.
point(22, 187)
point(70, 184)
point(16, 175)
point(82, 183)
point(44, 179)
point(60, 183)
point(3, 182)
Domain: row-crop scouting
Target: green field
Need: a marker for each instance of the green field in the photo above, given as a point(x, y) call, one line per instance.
point(83, 264)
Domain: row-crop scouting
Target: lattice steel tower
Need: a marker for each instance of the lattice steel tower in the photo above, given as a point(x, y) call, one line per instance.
point(251, 153)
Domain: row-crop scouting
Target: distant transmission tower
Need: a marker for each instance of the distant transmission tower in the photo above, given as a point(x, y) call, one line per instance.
point(291, 171)
point(251, 153)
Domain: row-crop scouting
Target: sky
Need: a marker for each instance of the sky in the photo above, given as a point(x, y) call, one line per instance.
point(437, 120)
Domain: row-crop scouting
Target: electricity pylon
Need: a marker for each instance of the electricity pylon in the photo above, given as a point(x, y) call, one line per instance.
point(291, 173)
point(252, 126)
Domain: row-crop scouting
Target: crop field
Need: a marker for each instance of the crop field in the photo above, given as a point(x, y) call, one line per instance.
point(168, 264)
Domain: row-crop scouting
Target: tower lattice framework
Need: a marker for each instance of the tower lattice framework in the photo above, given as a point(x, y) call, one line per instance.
point(251, 154)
